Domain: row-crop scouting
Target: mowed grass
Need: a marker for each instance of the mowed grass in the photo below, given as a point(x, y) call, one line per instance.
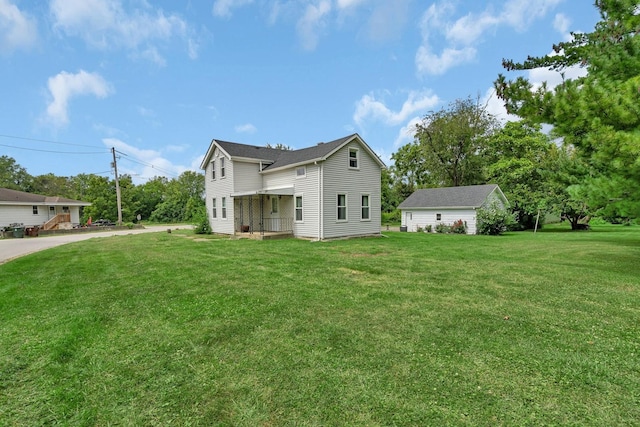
point(411, 329)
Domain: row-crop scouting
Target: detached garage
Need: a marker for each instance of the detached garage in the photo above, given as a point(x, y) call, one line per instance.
point(433, 206)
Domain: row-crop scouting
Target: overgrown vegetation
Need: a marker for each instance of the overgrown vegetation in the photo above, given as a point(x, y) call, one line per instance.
point(493, 220)
point(467, 330)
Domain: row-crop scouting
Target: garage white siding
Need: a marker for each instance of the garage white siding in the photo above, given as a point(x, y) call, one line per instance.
point(420, 218)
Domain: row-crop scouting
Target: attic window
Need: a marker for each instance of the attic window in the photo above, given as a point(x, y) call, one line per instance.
point(353, 158)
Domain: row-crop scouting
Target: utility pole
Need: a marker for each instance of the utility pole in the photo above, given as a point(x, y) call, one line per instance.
point(115, 169)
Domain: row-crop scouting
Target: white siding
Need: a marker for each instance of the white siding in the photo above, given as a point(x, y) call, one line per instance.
point(219, 188)
point(283, 178)
point(246, 176)
point(307, 186)
point(340, 179)
point(10, 214)
point(414, 218)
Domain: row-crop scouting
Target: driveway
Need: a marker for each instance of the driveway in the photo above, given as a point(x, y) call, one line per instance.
point(14, 248)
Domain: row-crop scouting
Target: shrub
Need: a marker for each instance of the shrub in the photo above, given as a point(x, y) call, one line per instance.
point(459, 227)
point(442, 228)
point(493, 220)
point(428, 228)
point(391, 217)
point(419, 229)
point(201, 220)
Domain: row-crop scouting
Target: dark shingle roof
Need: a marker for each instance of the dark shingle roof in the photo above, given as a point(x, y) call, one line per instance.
point(8, 196)
point(472, 196)
point(280, 158)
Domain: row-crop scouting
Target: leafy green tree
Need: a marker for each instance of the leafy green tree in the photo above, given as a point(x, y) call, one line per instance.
point(493, 220)
point(149, 195)
point(451, 140)
point(515, 159)
point(52, 185)
point(598, 114)
point(14, 176)
point(101, 193)
point(182, 198)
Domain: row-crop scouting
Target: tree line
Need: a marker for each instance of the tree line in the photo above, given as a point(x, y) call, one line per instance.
point(159, 199)
point(587, 165)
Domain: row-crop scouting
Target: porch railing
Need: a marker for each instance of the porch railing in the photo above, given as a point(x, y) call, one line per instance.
point(53, 222)
point(268, 225)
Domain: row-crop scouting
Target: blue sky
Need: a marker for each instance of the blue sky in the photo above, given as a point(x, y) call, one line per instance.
point(158, 80)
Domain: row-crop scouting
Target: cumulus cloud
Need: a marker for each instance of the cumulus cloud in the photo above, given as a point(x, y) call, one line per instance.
point(222, 8)
point(65, 86)
point(105, 24)
point(460, 37)
point(312, 23)
point(246, 128)
point(145, 163)
point(18, 30)
point(370, 108)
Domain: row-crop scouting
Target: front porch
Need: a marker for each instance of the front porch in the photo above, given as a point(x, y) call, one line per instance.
point(263, 216)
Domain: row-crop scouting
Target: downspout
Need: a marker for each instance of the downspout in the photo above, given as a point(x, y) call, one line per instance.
point(321, 201)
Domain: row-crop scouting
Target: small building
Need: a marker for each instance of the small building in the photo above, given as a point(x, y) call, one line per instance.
point(33, 210)
point(329, 190)
point(433, 206)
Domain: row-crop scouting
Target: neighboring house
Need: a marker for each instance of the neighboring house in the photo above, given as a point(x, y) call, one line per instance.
point(36, 210)
point(433, 206)
point(327, 191)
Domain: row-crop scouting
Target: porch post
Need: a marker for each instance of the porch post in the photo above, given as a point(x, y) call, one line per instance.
point(251, 214)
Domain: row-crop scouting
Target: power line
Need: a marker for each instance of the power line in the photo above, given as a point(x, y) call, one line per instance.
point(50, 142)
point(53, 151)
point(146, 164)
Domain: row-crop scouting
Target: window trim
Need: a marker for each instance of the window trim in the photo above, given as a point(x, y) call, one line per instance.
point(214, 209)
point(223, 172)
point(368, 207)
point(34, 209)
point(297, 208)
point(356, 158)
point(304, 174)
point(275, 204)
point(344, 207)
point(213, 170)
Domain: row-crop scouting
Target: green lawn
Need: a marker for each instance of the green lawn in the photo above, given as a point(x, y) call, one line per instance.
point(413, 329)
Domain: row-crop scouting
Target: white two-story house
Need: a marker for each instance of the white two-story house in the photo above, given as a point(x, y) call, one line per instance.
point(326, 191)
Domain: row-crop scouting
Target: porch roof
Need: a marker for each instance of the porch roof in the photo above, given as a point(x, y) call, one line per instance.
point(282, 191)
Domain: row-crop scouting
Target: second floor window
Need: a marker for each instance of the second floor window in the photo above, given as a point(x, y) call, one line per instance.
point(353, 158)
point(222, 171)
point(213, 169)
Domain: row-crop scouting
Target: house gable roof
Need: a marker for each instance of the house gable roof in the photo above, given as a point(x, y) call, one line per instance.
point(471, 197)
point(15, 197)
point(285, 158)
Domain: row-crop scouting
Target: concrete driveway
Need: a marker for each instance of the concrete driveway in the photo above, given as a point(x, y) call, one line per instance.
point(14, 248)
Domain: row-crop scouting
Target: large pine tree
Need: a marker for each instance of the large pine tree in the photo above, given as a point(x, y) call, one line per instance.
point(598, 114)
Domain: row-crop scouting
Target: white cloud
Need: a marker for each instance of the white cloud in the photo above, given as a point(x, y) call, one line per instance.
point(495, 106)
point(561, 24)
point(17, 29)
point(368, 107)
point(461, 36)
point(65, 86)
point(105, 24)
point(406, 133)
point(246, 128)
point(144, 163)
point(312, 23)
point(222, 8)
point(345, 4)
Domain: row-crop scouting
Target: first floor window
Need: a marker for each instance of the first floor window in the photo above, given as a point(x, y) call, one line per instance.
point(365, 206)
point(438, 217)
point(35, 210)
point(224, 208)
point(274, 204)
point(214, 209)
point(298, 208)
point(342, 207)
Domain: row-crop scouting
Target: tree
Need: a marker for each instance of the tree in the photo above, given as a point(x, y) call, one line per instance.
point(182, 200)
point(451, 141)
point(597, 114)
point(149, 195)
point(515, 159)
point(52, 185)
point(14, 176)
